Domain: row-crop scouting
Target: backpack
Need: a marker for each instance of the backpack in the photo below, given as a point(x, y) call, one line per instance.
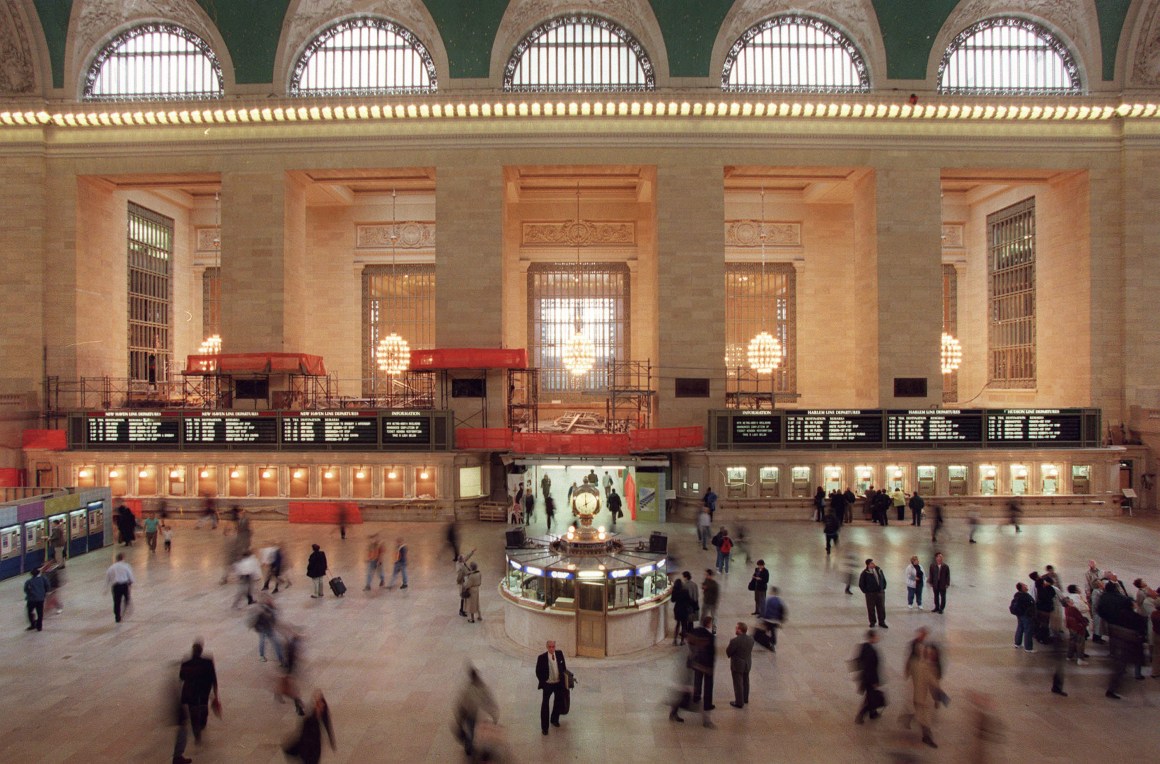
point(726, 545)
point(1014, 608)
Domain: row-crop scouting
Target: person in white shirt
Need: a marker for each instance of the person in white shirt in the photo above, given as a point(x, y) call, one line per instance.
point(119, 577)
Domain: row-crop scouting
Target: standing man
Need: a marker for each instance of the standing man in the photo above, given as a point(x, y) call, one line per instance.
point(940, 579)
point(709, 500)
point(872, 582)
point(550, 668)
point(151, 534)
point(119, 577)
point(868, 679)
point(400, 564)
point(609, 487)
point(545, 487)
point(740, 654)
point(198, 679)
point(850, 499)
point(710, 596)
point(529, 504)
point(316, 568)
point(56, 540)
point(35, 593)
point(1023, 607)
point(614, 505)
point(916, 504)
point(759, 585)
point(703, 656)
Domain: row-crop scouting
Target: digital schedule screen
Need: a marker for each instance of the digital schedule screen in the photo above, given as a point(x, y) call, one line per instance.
point(218, 429)
point(934, 426)
point(833, 428)
point(1013, 427)
point(332, 428)
point(756, 428)
point(136, 429)
point(406, 428)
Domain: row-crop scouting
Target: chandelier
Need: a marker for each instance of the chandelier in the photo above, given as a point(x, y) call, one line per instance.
point(210, 346)
point(393, 354)
point(951, 354)
point(764, 352)
point(580, 352)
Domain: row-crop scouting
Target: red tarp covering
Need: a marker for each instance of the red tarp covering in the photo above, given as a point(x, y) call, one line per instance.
point(502, 439)
point(256, 363)
point(324, 512)
point(667, 438)
point(559, 443)
point(47, 440)
point(11, 477)
point(469, 358)
point(485, 438)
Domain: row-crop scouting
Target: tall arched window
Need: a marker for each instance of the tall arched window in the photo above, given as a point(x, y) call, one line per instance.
point(794, 54)
point(154, 62)
point(578, 54)
point(1008, 56)
point(364, 56)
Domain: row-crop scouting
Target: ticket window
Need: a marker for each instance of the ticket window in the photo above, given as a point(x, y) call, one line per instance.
point(96, 518)
point(35, 534)
point(360, 483)
point(425, 483)
point(957, 480)
point(331, 482)
point(1049, 479)
point(118, 481)
point(895, 478)
point(9, 542)
point(146, 481)
point(177, 481)
point(299, 482)
point(1019, 480)
point(237, 483)
point(1081, 478)
point(78, 526)
point(800, 482)
point(268, 482)
point(735, 487)
point(86, 477)
point(927, 475)
point(988, 482)
point(693, 480)
point(832, 479)
point(207, 481)
point(863, 479)
point(393, 483)
point(769, 480)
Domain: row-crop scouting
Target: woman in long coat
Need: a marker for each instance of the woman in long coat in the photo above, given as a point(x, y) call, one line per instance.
point(924, 677)
point(473, 582)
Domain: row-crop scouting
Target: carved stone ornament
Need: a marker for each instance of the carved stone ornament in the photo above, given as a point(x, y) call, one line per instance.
point(578, 233)
point(17, 73)
point(747, 233)
point(1145, 70)
point(1070, 17)
point(409, 234)
point(97, 19)
point(209, 239)
point(952, 235)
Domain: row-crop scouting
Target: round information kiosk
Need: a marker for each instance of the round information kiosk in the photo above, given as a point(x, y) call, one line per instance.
point(594, 593)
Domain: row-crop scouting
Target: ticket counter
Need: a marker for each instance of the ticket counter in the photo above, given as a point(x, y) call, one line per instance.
point(926, 476)
point(770, 482)
point(1081, 479)
point(863, 479)
point(1049, 479)
point(735, 483)
point(1019, 480)
point(832, 480)
point(800, 485)
point(957, 482)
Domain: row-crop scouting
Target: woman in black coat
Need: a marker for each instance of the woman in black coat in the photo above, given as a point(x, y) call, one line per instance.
point(308, 746)
point(682, 610)
point(316, 569)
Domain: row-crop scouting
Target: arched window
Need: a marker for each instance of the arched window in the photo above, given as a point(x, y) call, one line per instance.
point(364, 56)
point(578, 54)
point(794, 54)
point(154, 62)
point(1008, 56)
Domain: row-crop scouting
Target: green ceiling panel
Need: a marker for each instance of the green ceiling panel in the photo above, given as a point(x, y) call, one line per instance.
point(251, 31)
point(1112, 14)
point(468, 28)
point(690, 27)
point(908, 31)
point(54, 16)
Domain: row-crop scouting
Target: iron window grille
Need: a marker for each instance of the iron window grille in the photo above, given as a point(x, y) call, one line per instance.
point(395, 298)
point(746, 291)
point(161, 62)
point(950, 292)
point(578, 54)
point(1010, 57)
point(364, 56)
point(211, 302)
point(150, 290)
point(1011, 296)
point(794, 54)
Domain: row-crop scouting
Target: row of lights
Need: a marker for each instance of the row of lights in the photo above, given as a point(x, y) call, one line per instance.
point(235, 474)
point(277, 114)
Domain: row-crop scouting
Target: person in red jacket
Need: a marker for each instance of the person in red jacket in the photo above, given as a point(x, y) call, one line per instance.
point(1077, 625)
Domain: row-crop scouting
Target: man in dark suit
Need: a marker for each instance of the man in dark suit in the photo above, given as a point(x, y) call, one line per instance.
point(940, 579)
point(740, 654)
point(550, 668)
point(868, 679)
point(703, 654)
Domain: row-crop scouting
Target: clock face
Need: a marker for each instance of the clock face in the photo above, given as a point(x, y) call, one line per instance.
point(586, 501)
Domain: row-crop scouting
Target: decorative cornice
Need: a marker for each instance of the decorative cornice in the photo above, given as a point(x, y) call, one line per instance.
point(409, 234)
point(952, 236)
point(577, 233)
point(748, 233)
point(209, 239)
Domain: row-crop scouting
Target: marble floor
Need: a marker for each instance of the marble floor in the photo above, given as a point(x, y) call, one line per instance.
point(391, 662)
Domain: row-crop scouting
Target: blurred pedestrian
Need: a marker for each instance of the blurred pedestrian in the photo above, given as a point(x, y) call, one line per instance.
point(119, 577)
point(167, 535)
point(198, 680)
point(451, 533)
point(1013, 513)
point(307, 745)
point(275, 563)
point(475, 699)
point(248, 570)
point(375, 552)
point(461, 573)
point(35, 593)
point(151, 524)
point(924, 679)
point(710, 596)
point(316, 568)
point(265, 622)
point(869, 679)
point(704, 527)
point(702, 659)
point(400, 564)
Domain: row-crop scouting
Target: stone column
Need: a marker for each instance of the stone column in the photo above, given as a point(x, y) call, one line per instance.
point(23, 200)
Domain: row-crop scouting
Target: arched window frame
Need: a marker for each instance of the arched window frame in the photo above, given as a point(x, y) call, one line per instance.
point(607, 25)
point(115, 46)
point(857, 60)
point(1054, 43)
point(324, 37)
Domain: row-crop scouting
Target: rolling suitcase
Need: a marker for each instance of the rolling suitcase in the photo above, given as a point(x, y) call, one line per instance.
point(337, 586)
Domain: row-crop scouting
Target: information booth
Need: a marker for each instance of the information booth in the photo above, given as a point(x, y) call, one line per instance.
point(11, 549)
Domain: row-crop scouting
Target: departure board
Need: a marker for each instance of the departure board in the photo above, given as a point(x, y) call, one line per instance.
point(331, 428)
point(406, 428)
point(230, 429)
point(757, 428)
point(1013, 427)
point(146, 429)
point(933, 427)
point(833, 428)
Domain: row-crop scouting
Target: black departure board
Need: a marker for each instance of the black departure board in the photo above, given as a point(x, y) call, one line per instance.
point(406, 428)
point(833, 428)
point(230, 429)
point(754, 428)
point(330, 429)
point(934, 427)
point(146, 429)
point(1014, 427)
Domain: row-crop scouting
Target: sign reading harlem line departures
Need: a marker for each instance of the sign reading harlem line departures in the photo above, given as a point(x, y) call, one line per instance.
point(833, 428)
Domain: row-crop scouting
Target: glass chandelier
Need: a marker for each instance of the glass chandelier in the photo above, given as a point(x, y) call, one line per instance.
point(951, 354)
point(393, 354)
point(764, 353)
point(579, 352)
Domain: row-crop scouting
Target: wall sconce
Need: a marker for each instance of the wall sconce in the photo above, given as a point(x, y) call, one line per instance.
point(174, 474)
point(266, 474)
point(143, 473)
point(360, 475)
point(297, 474)
point(392, 475)
point(113, 474)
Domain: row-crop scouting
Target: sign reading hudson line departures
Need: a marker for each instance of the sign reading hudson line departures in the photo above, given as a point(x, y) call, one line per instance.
point(918, 428)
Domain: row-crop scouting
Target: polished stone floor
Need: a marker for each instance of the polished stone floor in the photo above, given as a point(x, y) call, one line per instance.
point(89, 690)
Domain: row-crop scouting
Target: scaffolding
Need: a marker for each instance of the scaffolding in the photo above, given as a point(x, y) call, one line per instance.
point(631, 397)
point(523, 400)
point(746, 389)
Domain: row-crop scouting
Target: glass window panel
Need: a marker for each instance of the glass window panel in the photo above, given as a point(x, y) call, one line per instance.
point(579, 53)
point(400, 299)
point(154, 62)
point(150, 255)
point(364, 56)
point(1008, 56)
point(757, 300)
point(1011, 296)
point(795, 54)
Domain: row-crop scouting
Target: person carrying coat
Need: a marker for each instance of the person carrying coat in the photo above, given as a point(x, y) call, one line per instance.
point(316, 568)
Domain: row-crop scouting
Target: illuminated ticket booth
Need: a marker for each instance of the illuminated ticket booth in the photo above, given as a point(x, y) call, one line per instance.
point(331, 482)
point(393, 484)
point(1049, 479)
point(425, 485)
point(177, 480)
point(236, 486)
point(11, 550)
point(988, 480)
point(863, 479)
point(832, 479)
point(957, 482)
point(35, 535)
point(926, 476)
point(895, 477)
point(207, 484)
point(360, 483)
point(299, 482)
point(735, 487)
point(1081, 478)
point(78, 532)
point(117, 480)
point(800, 482)
point(769, 482)
point(268, 482)
point(86, 476)
point(146, 481)
point(96, 510)
point(1019, 480)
